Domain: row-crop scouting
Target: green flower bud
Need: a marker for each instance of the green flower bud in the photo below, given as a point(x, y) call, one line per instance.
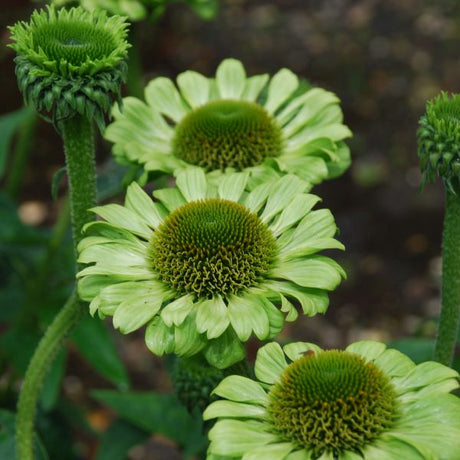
point(71, 62)
point(439, 140)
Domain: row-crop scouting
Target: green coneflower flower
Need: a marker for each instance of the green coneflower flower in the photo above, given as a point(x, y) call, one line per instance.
point(232, 121)
point(71, 62)
point(364, 402)
point(439, 140)
point(208, 266)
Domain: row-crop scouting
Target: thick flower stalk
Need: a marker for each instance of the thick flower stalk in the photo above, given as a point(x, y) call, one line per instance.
point(266, 126)
point(439, 152)
point(69, 65)
point(366, 402)
point(209, 264)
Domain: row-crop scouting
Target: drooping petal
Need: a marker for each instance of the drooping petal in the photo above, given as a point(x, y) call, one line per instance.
point(212, 317)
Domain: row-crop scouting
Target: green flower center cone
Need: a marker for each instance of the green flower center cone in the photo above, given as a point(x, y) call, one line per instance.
point(212, 247)
point(227, 133)
point(73, 42)
point(332, 401)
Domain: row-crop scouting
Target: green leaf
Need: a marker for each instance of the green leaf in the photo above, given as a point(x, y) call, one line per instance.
point(52, 385)
point(95, 343)
point(118, 439)
point(9, 125)
point(157, 413)
point(57, 178)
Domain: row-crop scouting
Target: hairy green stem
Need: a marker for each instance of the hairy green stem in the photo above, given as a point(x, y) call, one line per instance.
point(78, 137)
point(39, 365)
point(450, 303)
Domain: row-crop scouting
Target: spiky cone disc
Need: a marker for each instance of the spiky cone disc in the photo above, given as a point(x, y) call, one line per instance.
point(365, 402)
point(439, 140)
point(71, 62)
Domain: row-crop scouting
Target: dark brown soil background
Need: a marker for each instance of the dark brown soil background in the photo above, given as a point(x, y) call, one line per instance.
point(383, 58)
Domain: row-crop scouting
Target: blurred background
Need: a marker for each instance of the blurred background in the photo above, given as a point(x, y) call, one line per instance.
point(384, 59)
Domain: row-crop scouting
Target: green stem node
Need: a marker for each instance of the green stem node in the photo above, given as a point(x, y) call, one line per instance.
point(450, 304)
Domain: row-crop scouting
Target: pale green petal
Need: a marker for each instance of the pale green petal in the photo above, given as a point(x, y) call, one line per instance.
point(314, 100)
point(212, 317)
point(231, 186)
point(114, 294)
point(127, 272)
point(394, 363)
point(225, 350)
point(281, 194)
point(296, 350)
point(109, 230)
point(367, 349)
point(241, 389)
point(124, 218)
point(135, 311)
point(274, 315)
point(310, 116)
point(139, 202)
point(388, 448)
point(335, 132)
point(235, 437)
point(281, 86)
point(315, 272)
point(246, 315)
point(301, 249)
point(424, 374)
point(156, 160)
point(159, 338)
point(257, 197)
point(311, 169)
point(312, 301)
point(188, 340)
point(277, 451)
point(175, 312)
point(270, 363)
point(171, 198)
point(90, 286)
point(299, 455)
point(254, 86)
point(192, 183)
point(124, 254)
point(337, 167)
point(162, 95)
point(231, 79)
point(293, 212)
point(320, 224)
point(138, 123)
point(194, 87)
point(233, 409)
point(288, 307)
